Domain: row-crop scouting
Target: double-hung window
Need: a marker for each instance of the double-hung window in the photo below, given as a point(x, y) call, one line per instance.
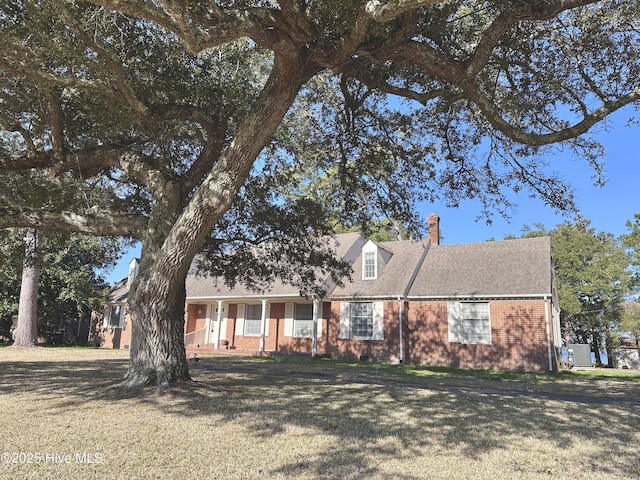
point(252, 320)
point(115, 316)
point(303, 320)
point(369, 265)
point(469, 322)
point(299, 321)
point(362, 320)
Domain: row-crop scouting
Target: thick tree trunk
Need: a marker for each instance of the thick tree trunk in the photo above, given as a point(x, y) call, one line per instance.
point(156, 303)
point(176, 230)
point(156, 310)
point(26, 334)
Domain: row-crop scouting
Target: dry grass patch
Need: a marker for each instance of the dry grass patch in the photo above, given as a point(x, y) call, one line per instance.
point(251, 419)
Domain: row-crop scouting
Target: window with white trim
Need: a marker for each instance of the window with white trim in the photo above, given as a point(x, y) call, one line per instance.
point(303, 320)
point(362, 320)
point(115, 316)
point(469, 322)
point(252, 320)
point(369, 268)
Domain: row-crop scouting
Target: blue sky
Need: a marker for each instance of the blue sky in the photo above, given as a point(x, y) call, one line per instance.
point(607, 207)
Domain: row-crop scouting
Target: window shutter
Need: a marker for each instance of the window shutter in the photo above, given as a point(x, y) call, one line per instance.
point(319, 320)
point(345, 320)
point(267, 316)
point(288, 319)
point(240, 320)
point(122, 314)
point(378, 321)
point(454, 320)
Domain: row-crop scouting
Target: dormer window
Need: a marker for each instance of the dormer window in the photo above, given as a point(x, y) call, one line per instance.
point(374, 258)
point(369, 267)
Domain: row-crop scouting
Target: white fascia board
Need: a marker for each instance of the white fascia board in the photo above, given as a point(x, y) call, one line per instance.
point(257, 298)
point(367, 298)
point(523, 296)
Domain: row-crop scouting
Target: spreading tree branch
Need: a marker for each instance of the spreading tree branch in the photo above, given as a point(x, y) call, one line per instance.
point(384, 12)
point(491, 113)
point(57, 123)
point(92, 223)
point(90, 162)
point(506, 20)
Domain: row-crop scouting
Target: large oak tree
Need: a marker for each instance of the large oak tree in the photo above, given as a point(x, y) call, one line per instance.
point(149, 116)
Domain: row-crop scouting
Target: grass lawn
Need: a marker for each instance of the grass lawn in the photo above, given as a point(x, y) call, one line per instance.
point(265, 419)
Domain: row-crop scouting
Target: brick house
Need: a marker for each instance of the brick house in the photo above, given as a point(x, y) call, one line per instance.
point(486, 305)
point(112, 329)
point(481, 305)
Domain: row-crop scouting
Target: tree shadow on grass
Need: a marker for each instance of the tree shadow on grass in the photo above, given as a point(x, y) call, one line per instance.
point(368, 420)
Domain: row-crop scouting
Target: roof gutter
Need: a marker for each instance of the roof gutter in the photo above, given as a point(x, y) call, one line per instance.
point(479, 296)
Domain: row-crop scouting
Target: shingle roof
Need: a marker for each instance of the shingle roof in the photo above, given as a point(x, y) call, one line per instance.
point(119, 291)
point(519, 267)
point(509, 268)
point(394, 278)
point(199, 286)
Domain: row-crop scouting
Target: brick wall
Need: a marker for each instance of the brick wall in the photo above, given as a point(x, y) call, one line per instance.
point(196, 317)
point(387, 349)
point(518, 337)
point(115, 337)
point(275, 341)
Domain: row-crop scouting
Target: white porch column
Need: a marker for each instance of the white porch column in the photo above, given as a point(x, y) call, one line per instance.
point(218, 323)
point(314, 338)
point(263, 324)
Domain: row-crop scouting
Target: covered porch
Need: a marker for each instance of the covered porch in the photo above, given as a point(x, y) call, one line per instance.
point(256, 325)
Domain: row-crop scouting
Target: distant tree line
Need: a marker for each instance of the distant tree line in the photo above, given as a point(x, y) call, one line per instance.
point(69, 286)
point(598, 277)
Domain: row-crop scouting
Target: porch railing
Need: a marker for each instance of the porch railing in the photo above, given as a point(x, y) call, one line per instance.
point(194, 338)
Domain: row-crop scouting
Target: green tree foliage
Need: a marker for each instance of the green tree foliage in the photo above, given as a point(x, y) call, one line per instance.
point(594, 276)
point(147, 120)
point(69, 287)
point(630, 321)
point(632, 242)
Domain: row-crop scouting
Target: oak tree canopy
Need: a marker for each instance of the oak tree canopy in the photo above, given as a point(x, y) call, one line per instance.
point(221, 124)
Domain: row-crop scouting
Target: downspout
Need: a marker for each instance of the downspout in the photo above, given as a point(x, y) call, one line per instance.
point(400, 308)
point(546, 316)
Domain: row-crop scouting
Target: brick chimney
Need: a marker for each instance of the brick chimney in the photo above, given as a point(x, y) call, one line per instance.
point(433, 224)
